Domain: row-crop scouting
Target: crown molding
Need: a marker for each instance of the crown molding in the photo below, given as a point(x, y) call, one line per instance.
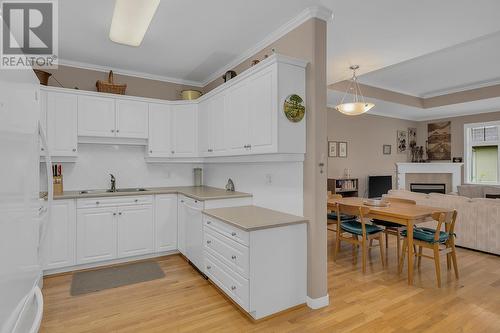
point(83, 65)
point(318, 12)
point(462, 88)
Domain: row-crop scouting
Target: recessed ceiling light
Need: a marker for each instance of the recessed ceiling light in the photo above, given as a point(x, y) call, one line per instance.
point(131, 20)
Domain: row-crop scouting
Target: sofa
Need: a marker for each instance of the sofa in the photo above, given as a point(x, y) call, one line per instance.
point(478, 191)
point(478, 220)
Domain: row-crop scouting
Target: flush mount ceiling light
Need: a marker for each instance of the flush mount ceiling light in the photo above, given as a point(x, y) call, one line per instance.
point(131, 20)
point(358, 105)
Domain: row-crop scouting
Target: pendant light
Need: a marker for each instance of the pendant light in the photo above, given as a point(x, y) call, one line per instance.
point(358, 105)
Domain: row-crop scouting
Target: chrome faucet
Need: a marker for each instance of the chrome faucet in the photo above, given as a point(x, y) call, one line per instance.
point(113, 183)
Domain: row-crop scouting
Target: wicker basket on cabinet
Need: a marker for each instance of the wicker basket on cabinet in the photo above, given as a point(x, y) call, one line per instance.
point(110, 87)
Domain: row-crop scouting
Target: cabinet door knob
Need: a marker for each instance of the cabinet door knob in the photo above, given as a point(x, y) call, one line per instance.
point(209, 267)
point(74, 149)
point(173, 151)
point(233, 257)
point(117, 131)
point(233, 287)
point(233, 234)
point(112, 131)
point(209, 242)
point(42, 149)
point(136, 200)
point(209, 222)
point(150, 151)
point(114, 214)
point(120, 213)
point(97, 202)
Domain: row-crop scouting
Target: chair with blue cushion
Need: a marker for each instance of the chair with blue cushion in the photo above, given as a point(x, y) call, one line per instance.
point(352, 230)
point(332, 215)
point(391, 228)
point(440, 242)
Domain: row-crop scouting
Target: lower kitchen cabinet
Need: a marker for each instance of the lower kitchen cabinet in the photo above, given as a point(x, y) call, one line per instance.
point(135, 231)
point(96, 234)
point(264, 271)
point(166, 222)
point(59, 243)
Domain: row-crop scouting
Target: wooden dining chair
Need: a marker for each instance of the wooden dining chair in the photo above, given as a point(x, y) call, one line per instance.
point(332, 215)
point(440, 242)
point(355, 229)
point(391, 228)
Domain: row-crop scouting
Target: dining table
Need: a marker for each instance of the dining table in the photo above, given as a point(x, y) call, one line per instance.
point(404, 214)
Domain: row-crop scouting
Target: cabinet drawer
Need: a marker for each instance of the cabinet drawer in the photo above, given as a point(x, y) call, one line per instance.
point(231, 253)
point(114, 201)
point(227, 230)
point(232, 284)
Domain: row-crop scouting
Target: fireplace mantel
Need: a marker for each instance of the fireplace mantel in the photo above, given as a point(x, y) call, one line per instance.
point(455, 169)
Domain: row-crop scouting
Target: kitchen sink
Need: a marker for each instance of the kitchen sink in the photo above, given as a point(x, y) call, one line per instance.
point(119, 190)
point(128, 190)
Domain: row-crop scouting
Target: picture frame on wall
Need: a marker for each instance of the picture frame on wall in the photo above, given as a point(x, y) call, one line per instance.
point(332, 148)
point(387, 149)
point(402, 141)
point(343, 149)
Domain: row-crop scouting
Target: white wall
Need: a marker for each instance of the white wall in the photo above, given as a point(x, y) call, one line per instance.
point(283, 193)
point(95, 162)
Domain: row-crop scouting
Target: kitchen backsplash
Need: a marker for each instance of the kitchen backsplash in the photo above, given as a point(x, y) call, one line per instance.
point(96, 161)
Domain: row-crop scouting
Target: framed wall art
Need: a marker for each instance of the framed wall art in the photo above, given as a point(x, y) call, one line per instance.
point(343, 149)
point(332, 149)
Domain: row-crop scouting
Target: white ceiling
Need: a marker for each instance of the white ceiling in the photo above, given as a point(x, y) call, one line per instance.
point(469, 65)
point(394, 110)
point(192, 39)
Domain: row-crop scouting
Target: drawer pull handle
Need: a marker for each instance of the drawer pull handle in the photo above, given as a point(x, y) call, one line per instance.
point(136, 200)
point(97, 202)
point(114, 214)
point(120, 213)
point(233, 234)
point(233, 257)
point(209, 267)
point(209, 242)
point(233, 287)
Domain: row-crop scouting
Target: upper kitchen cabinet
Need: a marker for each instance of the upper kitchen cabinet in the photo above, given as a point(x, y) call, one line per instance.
point(212, 135)
point(184, 130)
point(249, 117)
point(96, 116)
point(160, 133)
point(131, 119)
point(62, 124)
point(110, 117)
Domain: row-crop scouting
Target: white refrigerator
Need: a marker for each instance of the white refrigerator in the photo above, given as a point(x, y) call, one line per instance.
point(23, 216)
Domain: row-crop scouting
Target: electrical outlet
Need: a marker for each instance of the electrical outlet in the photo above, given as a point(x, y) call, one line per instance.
point(269, 178)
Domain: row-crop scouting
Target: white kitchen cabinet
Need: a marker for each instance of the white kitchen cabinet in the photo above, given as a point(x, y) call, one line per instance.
point(262, 113)
point(264, 270)
point(184, 130)
point(96, 234)
point(165, 222)
point(59, 245)
point(131, 119)
point(160, 130)
point(62, 122)
point(212, 127)
point(135, 230)
point(181, 225)
point(96, 116)
point(237, 119)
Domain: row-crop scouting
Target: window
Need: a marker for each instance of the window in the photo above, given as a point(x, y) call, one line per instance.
point(481, 153)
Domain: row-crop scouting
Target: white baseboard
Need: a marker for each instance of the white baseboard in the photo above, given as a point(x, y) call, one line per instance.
point(317, 303)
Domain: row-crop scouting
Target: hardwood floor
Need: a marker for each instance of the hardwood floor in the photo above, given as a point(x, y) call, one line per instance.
point(379, 301)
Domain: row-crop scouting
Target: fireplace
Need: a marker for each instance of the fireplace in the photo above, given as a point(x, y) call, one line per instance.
point(428, 188)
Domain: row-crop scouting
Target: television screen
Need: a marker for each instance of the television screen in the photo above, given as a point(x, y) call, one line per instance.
point(378, 186)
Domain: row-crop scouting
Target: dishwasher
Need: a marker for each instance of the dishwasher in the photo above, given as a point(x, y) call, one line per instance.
point(190, 233)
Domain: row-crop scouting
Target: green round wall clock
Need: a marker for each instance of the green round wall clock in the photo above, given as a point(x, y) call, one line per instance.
point(294, 108)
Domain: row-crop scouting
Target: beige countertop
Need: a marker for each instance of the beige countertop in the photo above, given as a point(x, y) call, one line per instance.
point(196, 192)
point(251, 218)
